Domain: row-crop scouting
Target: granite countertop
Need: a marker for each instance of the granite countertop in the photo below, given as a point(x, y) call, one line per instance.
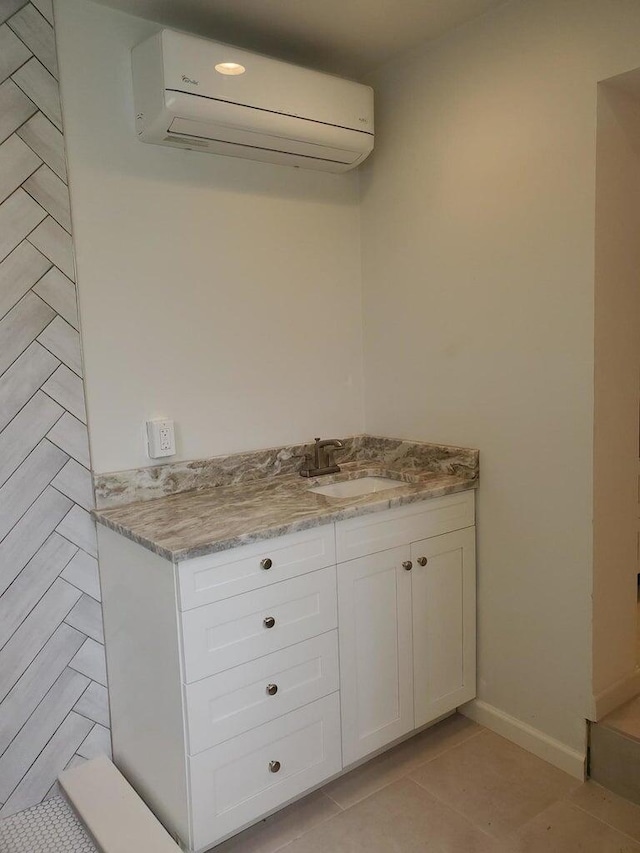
point(203, 521)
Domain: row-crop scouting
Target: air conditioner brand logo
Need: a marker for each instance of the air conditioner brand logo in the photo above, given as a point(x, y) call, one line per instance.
point(186, 79)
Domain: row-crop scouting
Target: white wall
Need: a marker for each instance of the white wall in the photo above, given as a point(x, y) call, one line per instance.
point(222, 293)
point(478, 275)
point(478, 221)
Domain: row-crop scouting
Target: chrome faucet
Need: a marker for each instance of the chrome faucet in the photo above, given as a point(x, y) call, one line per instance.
point(323, 462)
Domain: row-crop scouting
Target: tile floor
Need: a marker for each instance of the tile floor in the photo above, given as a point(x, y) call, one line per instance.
point(456, 788)
point(49, 827)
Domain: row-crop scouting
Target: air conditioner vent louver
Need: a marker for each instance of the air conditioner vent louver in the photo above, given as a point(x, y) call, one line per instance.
point(201, 143)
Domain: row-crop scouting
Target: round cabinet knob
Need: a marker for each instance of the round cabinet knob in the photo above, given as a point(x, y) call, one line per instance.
point(408, 565)
point(266, 563)
point(274, 766)
point(272, 689)
point(422, 561)
point(269, 622)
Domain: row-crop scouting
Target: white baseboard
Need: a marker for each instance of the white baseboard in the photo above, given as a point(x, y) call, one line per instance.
point(611, 698)
point(533, 740)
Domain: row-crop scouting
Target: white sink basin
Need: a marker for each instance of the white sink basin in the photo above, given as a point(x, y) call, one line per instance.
point(357, 488)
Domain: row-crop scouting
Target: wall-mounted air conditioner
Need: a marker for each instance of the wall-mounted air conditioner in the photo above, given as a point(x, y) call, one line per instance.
point(193, 93)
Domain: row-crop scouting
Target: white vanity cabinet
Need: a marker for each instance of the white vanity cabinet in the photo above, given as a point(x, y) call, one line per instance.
point(240, 680)
point(406, 617)
point(223, 678)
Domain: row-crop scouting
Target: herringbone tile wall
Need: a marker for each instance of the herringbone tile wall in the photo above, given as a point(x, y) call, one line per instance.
point(53, 696)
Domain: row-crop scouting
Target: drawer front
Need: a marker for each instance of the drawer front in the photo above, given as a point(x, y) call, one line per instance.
point(215, 577)
point(232, 783)
point(225, 705)
point(228, 633)
point(380, 531)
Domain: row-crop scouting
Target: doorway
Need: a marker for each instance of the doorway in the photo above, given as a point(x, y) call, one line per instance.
point(616, 458)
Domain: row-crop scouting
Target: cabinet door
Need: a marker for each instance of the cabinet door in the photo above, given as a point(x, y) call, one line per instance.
point(374, 616)
point(444, 623)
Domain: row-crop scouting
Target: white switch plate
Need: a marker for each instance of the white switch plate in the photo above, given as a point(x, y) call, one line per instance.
point(161, 439)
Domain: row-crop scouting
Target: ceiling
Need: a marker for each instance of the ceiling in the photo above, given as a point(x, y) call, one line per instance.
point(346, 37)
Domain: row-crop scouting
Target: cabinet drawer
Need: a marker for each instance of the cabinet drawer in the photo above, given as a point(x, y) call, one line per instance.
point(225, 634)
point(232, 783)
point(380, 531)
point(215, 577)
point(225, 705)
